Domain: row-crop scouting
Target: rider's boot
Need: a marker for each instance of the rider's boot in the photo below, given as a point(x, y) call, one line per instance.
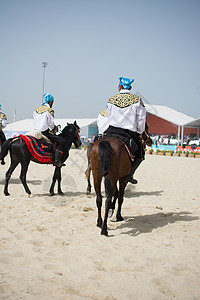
point(57, 162)
point(129, 178)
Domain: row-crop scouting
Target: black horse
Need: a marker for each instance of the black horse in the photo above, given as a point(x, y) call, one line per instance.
point(19, 153)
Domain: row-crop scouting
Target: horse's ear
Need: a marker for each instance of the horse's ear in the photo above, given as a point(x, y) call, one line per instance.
point(67, 123)
point(75, 123)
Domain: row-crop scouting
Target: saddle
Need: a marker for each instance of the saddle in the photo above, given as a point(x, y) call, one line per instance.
point(126, 137)
point(38, 135)
point(40, 149)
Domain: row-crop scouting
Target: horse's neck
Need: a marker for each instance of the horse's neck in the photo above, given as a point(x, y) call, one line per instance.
point(68, 139)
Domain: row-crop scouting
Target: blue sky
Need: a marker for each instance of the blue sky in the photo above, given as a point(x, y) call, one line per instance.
point(88, 45)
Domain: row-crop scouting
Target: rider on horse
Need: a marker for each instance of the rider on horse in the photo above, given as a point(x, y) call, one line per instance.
point(44, 122)
point(102, 121)
point(127, 116)
point(3, 124)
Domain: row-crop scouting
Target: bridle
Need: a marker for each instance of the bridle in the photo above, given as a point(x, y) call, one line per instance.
point(77, 131)
point(147, 137)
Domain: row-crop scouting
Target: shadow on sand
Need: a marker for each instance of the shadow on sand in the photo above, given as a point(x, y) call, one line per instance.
point(18, 181)
point(130, 193)
point(144, 224)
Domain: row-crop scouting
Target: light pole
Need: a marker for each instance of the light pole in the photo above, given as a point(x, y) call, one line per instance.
point(44, 64)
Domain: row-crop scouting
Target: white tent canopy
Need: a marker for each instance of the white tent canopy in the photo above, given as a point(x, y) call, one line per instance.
point(168, 114)
point(23, 126)
point(175, 117)
point(193, 124)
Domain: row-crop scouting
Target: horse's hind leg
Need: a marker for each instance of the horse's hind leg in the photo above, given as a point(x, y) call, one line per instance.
point(122, 186)
point(111, 188)
point(8, 175)
point(97, 186)
point(24, 168)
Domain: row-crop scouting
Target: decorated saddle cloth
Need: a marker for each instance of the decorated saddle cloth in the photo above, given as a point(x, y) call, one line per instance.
point(41, 150)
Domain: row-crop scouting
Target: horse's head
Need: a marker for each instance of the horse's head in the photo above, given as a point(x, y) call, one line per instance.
point(75, 129)
point(145, 136)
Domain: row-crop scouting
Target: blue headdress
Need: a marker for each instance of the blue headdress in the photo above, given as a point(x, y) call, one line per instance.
point(125, 82)
point(47, 98)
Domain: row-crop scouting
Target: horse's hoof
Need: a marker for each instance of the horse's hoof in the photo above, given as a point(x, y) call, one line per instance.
point(61, 193)
point(6, 194)
point(120, 218)
point(52, 194)
point(104, 232)
point(88, 192)
point(29, 195)
point(110, 212)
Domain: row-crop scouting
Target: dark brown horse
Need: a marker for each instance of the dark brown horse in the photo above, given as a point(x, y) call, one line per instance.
point(146, 140)
point(19, 153)
point(110, 159)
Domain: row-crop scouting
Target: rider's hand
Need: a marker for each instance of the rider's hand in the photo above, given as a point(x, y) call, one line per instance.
point(55, 129)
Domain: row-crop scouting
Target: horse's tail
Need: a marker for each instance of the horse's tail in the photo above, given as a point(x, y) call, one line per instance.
point(105, 163)
point(4, 150)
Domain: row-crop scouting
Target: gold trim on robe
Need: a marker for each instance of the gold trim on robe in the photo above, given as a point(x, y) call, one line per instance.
point(43, 108)
point(124, 100)
point(104, 112)
point(2, 116)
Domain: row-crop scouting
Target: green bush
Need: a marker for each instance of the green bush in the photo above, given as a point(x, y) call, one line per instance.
point(150, 151)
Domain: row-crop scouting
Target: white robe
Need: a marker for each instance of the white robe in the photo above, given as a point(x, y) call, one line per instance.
point(132, 117)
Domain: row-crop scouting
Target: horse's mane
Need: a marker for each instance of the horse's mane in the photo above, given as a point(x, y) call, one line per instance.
point(67, 130)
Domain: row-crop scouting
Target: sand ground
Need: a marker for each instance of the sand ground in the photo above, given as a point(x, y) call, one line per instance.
point(50, 247)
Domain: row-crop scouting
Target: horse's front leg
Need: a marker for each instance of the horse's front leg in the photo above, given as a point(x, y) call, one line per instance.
point(112, 205)
point(24, 168)
point(122, 186)
point(55, 177)
point(87, 174)
point(59, 182)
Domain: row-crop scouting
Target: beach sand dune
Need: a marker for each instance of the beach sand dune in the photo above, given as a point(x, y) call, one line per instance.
point(50, 247)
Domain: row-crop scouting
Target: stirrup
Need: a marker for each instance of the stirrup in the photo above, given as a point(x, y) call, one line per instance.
point(58, 164)
point(130, 179)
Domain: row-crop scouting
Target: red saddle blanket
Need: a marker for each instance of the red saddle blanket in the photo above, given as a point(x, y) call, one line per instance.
point(39, 149)
point(129, 152)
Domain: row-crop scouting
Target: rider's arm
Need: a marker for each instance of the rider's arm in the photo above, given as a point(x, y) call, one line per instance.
point(50, 120)
point(4, 123)
point(141, 118)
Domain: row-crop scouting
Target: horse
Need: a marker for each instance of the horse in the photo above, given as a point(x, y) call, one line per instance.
point(19, 153)
point(146, 140)
point(109, 159)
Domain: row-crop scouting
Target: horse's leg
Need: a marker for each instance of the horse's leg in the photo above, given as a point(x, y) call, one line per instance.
point(112, 205)
point(59, 182)
point(24, 168)
point(13, 165)
point(97, 187)
point(87, 174)
point(55, 177)
point(89, 187)
point(122, 186)
point(111, 188)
